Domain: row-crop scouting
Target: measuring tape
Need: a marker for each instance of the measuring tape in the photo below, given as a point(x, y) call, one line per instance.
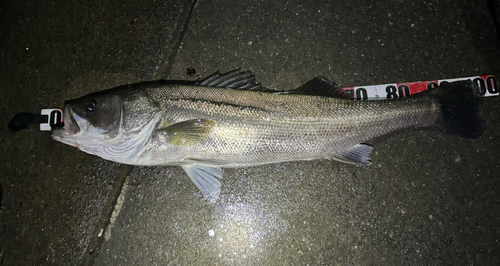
point(485, 86)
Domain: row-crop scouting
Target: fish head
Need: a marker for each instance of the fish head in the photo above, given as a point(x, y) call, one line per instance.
point(91, 120)
point(115, 124)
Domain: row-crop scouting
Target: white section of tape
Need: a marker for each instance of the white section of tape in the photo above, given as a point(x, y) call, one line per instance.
point(54, 116)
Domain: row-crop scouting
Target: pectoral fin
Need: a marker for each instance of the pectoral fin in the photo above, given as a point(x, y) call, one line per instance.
point(186, 132)
point(205, 178)
point(357, 154)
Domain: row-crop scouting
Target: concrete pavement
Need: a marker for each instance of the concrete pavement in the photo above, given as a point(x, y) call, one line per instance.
point(427, 199)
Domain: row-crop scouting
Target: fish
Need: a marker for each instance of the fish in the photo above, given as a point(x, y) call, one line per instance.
point(228, 120)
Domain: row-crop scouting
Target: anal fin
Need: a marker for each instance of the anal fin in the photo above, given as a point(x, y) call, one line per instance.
point(205, 178)
point(357, 154)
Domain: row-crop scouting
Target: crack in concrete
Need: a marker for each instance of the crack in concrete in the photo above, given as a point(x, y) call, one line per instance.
point(116, 197)
point(166, 67)
point(97, 239)
point(493, 13)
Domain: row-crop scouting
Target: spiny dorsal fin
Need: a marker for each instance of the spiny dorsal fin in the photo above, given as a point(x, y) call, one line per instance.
point(235, 79)
point(321, 86)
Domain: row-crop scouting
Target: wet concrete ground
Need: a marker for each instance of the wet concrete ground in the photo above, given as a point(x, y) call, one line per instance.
point(427, 199)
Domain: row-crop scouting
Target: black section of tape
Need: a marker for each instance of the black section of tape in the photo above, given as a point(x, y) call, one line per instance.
point(22, 121)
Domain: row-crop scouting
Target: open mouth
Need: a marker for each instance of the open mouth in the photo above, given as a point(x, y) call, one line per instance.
point(70, 123)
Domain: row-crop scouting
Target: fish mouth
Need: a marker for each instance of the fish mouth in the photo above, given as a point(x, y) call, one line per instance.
point(70, 123)
point(66, 134)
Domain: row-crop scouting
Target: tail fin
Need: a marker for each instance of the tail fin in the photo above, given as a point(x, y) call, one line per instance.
point(460, 104)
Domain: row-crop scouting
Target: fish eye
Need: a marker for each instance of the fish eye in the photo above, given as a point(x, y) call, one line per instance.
point(90, 105)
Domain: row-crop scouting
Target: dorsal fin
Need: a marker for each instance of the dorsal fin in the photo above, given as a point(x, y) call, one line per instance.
point(321, 86)
point(235, 79)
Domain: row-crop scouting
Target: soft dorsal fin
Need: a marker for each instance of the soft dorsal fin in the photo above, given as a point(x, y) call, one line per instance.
point(235, 79)
point(321, 86)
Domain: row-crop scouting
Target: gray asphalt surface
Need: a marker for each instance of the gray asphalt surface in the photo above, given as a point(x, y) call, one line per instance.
point(428, 198)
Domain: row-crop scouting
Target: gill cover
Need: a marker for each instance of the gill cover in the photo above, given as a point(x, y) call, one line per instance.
point(95, 114)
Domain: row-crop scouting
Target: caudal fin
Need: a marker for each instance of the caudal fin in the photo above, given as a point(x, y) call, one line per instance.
point(460, 105)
